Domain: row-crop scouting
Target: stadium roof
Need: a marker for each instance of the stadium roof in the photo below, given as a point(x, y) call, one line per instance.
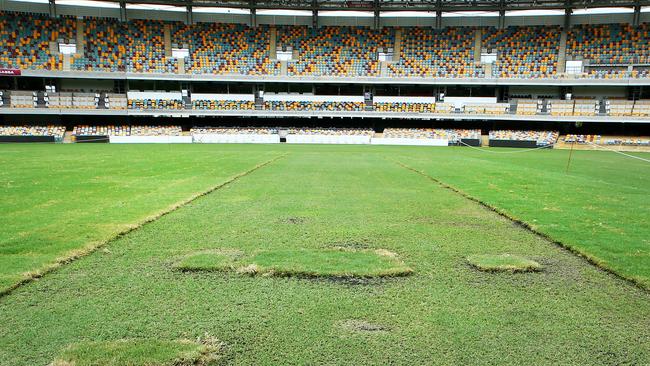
point(399, 5)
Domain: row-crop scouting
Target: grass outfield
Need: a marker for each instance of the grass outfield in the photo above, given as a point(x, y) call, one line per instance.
point(319, 198)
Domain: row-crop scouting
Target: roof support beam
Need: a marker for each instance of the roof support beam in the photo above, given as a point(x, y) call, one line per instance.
point(636, 19)
point(189, 14)
point(375, 9)
point(52, 8)
point(253, 13)
point(123, 17)
point(314, 13)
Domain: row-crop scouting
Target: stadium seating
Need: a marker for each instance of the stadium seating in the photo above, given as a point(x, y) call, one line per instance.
point(117, 101)
point(313, 106)
point(585, 107)
point(125, 130)
point(526, 107)
point(155, 131)
point(29, 41)
point(234, 130)
point(641, 108)
point(406, 107)
point(145, 49)
point(332, 131)
point(104, 49)
point(109, 130)
point(561, 107)
point(610, 44)
point(487, 108)
point(22, 99)
point(524, 52)
point(334, 51)
point(618, 107)
point(155, 104)
point(25, 40)
point(628, 141)
point(583, 139)
point(431, 133)
point(227, 49)
point(227, 105)
point(429, 52)
point(50, 130)
point(543, 138)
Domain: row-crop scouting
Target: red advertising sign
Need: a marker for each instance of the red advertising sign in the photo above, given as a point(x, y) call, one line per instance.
point(9, 72)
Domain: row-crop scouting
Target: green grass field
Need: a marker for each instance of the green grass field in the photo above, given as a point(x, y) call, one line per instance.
point(63, 200)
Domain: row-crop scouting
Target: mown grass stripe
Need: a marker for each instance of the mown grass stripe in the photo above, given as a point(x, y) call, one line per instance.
point(82, 252)
point(526, 226)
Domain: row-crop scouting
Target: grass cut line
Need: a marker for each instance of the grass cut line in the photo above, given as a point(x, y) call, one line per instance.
point(576, 251)
point(330, 263)
point(503, 263)
point(141, 352)
point(210, 260)
point(335, 263)
point(82, 252)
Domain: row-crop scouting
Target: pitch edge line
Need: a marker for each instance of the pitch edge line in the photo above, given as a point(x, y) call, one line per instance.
point(80, 253)
point(591, 260)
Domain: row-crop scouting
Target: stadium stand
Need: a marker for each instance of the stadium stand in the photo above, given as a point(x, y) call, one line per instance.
point(25, 40)
point(561, 107)
point(610, 44)
point(116, 101)
point(227, 49)
point(487, 108)
point(145, 50)
point(429, 52)
point(527, 107)
point(431, 133)
point(103, 49)
point(332, 131)
point(617, 107)
point(313, 106)
point(524, 52)
point(585, 107)
point(628, 141)
point(109, 130)
point(641, 108)
point(226, 105)
point(406, 107)
point(234, 130)
point(22, 99)
point(56, 131)
point(155, 131)
point(334, 51)
point(542, 138)
point(155, 104)
point(583, 139)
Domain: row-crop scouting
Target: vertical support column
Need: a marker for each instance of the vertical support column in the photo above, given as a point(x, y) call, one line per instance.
point(478, 45)
point(167, 39)
point(502, 19)
point(561, 57)
point(52, 8)
point(181, 65)
point(314, 13)
point(397, 48)
point(67, 63)
point(81, 37)
point(123, 17)
point(283, 68)
point(636, 18)
point(189, 15)
point(273, 38)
